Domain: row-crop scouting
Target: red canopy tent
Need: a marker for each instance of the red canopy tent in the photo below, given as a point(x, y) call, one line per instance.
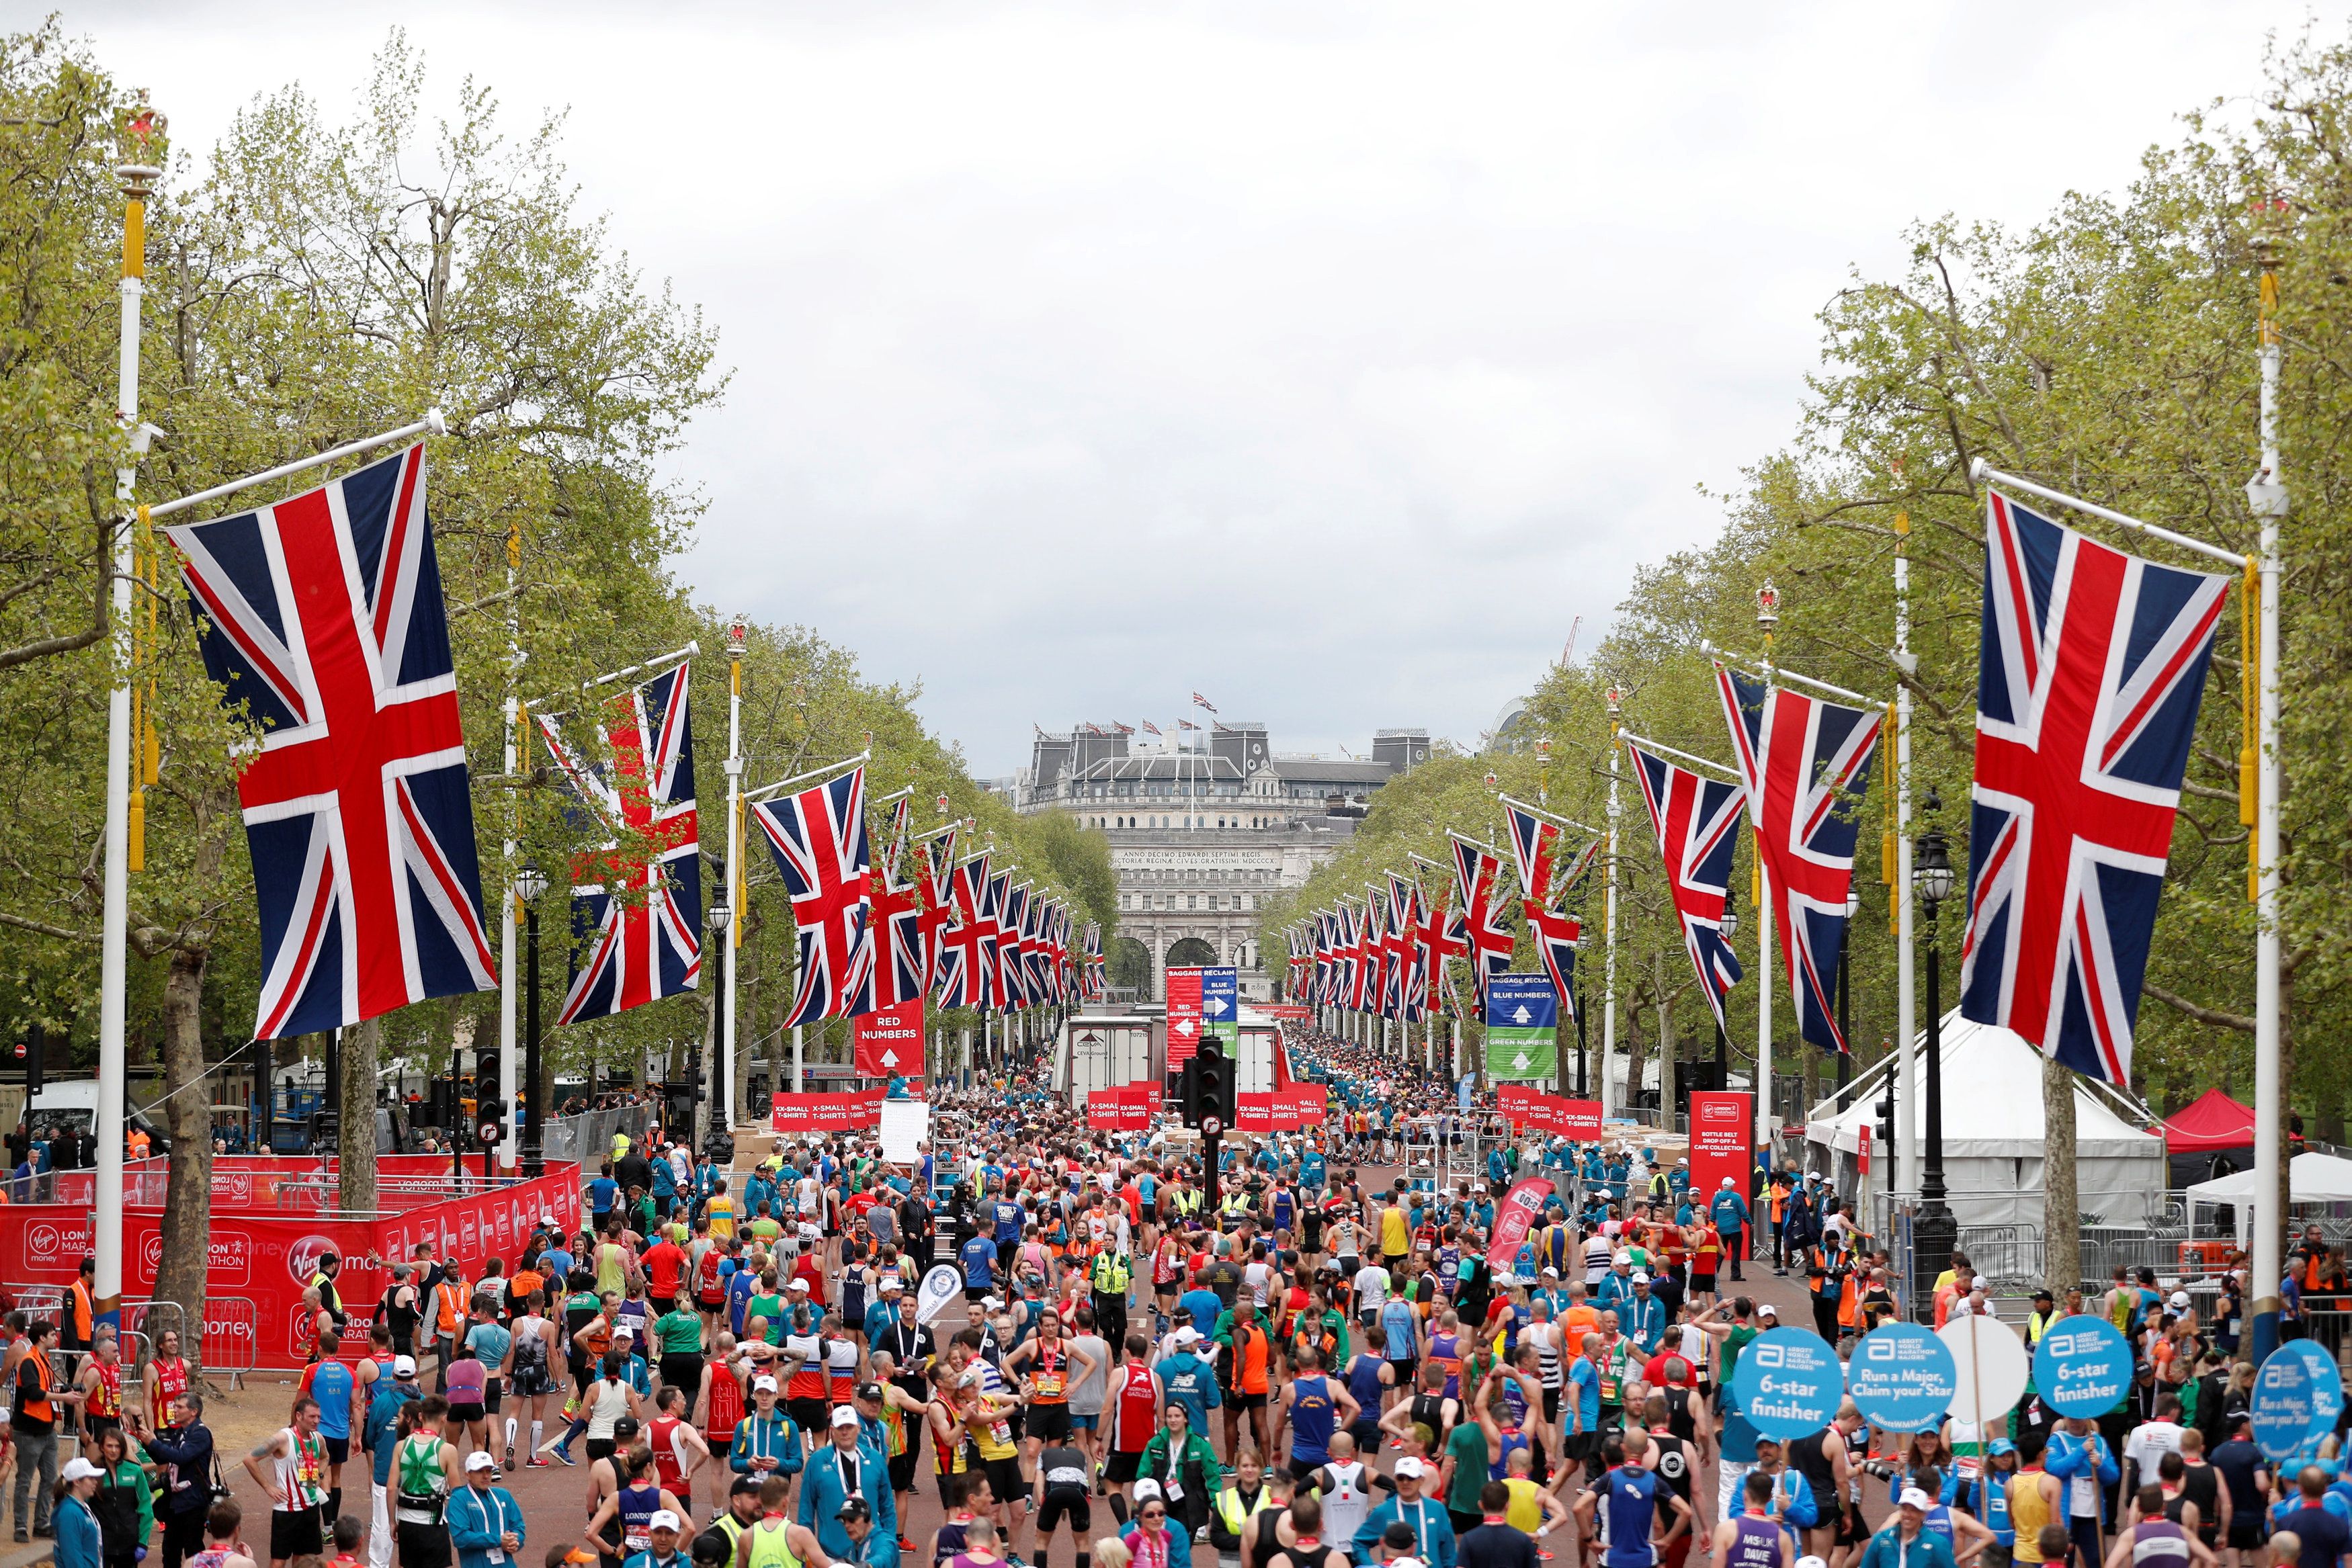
point(2210, 1122)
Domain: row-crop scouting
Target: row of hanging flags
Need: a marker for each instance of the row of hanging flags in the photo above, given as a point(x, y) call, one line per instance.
point(2092, 668)
point(321, 617)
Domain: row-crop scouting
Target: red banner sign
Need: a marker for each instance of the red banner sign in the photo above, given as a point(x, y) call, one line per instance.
point(1183, 1016)
point(889, 1043)
point(1722, 1142)
point(1129, 1108)
point(1300, 1106)
point(1545, 1113)
point(1513, 1218)
point(1285, 1012)
point(1253, 1112)
point(826, 1112)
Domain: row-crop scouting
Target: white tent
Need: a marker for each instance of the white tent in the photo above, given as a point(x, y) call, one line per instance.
point(2311, 1177)
point(1993, 1132)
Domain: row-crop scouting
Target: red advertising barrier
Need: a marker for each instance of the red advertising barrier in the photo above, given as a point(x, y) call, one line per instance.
point(1285, 1012)
point(1722, 1142)
point(889, 1043)
point(1513, 1218)
point(259, 1263)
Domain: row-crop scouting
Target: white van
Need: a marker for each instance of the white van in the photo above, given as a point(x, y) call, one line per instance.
point(72, 1104)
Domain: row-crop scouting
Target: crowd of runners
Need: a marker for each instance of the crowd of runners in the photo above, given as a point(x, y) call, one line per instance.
point(1316, 1364)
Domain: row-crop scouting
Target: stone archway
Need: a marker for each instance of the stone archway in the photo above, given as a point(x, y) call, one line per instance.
point(1131, 965)
point(1191, 952)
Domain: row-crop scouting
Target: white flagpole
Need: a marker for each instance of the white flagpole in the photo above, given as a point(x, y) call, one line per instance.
point(1609, 915)
point(1767, 618)
point(2267, 494)
point(732, 938)
point(1906, 1174)
point(106, 1228)
point(506, 981)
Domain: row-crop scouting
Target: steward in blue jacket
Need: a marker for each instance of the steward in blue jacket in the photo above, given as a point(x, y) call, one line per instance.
point(484, 1518)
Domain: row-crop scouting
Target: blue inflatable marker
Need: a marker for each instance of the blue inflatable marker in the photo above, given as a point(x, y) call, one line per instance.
point(1789, 1382)
point(2083, 1366)
point(1902, 1377)
point(2298, 1396)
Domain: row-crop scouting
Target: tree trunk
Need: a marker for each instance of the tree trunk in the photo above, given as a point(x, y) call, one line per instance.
point(2061, 1217)
point(181, 1271)
point(355, 1165)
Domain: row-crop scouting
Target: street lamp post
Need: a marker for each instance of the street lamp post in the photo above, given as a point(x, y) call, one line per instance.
point(718, 917)
point(529, 884)
point(1934, 1232)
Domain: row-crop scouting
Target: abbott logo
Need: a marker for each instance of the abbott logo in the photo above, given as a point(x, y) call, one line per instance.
point(1770, 1354)
point(1877, 1351)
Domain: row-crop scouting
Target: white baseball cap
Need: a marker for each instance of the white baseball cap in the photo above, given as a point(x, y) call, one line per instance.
point(80, 1469)
point(479, 1461)
point(404, 1366)
point(1767, 1310)
point(1914, 1498)
point(663, 1519)
point(1409, 1466)
point(1147, 1490)
point(843, 1416)
point(797, 1285)
point(763, 1385)
point(1727, 1184)
point(2179, 1301)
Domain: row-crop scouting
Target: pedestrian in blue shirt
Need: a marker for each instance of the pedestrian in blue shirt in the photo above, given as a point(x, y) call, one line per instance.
point(1729, 1210)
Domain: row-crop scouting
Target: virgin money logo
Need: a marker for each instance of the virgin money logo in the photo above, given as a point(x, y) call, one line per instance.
point(302, 1258)
point(150, 1254)
point(50, 1243)
point(1718, 1111)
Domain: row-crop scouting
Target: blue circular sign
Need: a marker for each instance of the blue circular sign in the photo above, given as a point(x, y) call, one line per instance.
point(2083, 1366)
point(1789, 1382)
point(2298, 1395)
point(1903, 1377)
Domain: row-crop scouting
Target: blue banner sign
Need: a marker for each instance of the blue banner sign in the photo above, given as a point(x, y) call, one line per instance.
point(1903, 1377)
point(1788, 1383)
point(2298, 1396)
point(2083, 1366)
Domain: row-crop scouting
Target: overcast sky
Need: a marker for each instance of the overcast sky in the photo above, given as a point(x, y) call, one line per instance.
point(1328, 359)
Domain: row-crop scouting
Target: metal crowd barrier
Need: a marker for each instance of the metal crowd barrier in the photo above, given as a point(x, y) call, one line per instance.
point(587, 1138)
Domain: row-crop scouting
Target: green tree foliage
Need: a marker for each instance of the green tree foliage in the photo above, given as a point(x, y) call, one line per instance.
point(2109, 350)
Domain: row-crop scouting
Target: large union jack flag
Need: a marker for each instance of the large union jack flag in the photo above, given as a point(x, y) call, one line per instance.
point(1698, 823)
point(1355, 958)
point(2091, 672)
point(636, 902)
point(1440, 935)
point(1557, 934)
point(1490, 939)
point(901, 965)
point(1807, 762)
point(936, 869)
point(818, 837)
point(323, 616)
point(1013, 947)
point(965, 957)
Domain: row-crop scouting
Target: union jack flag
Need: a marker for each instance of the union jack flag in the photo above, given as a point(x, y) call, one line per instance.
point(1807, 763)
point(1697, 822)
point(1407, 975)
point(2091, 672)
point(1557, 934)
point(1535, 844)
point(1440, 935)
point(963, 959)
point(1490, 940)
point(323, 616)
point(901, 968)
point(818, 837)
point(637, 903)
point(936, 868)
point(1352, 966)
point(996, 935)
point(1097, 969)
point(1012, 944)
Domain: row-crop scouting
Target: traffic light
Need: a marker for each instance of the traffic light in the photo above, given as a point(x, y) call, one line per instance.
point(1188, 1092)
point(1886, 1109)
point(491, 1117)
point(1213, 1079)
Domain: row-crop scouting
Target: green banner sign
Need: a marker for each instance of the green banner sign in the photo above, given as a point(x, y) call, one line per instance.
point(1522, 1013)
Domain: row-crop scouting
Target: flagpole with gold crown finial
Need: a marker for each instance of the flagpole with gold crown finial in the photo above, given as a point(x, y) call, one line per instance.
point(1616, 699)
point(1768, 621)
